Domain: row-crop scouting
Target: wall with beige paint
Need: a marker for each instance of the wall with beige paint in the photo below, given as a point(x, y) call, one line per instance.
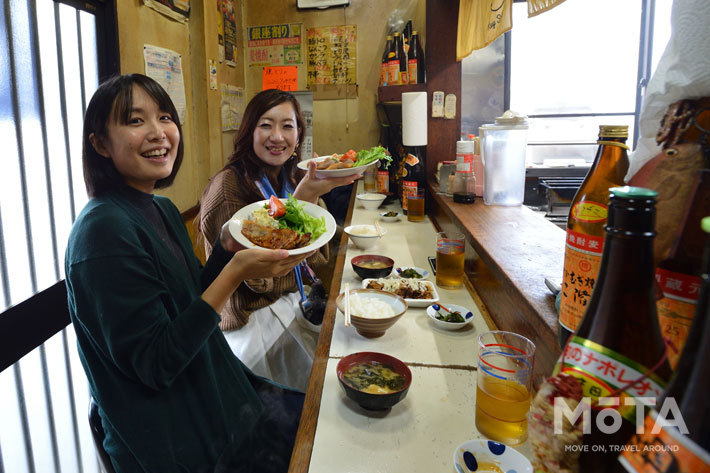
point(346, 123)
point(338, 124)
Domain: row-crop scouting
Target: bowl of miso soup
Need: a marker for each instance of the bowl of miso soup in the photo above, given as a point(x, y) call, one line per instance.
point(372, 266)
point(373, 380)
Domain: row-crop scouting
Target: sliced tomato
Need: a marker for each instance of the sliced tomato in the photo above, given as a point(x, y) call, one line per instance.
point(351, 155)
point(276, 207)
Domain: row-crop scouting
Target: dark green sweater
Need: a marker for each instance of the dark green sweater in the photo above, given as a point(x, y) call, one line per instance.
point(172, 395)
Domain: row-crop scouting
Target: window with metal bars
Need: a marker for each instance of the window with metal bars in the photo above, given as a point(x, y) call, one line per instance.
point(52, 56)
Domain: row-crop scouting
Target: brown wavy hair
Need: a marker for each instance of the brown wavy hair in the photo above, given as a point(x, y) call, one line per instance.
point(247, 166)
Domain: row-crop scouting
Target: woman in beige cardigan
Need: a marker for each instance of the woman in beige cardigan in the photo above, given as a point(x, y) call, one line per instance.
point(262, 319)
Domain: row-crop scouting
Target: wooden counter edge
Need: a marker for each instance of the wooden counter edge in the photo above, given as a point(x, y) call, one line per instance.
point(504, 298)
point(303, 445)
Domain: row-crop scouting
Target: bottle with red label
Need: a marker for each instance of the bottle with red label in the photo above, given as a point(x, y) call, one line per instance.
point(394, 60)
point(414, 174)
point(402, 57)
point(617, 352)
point(678, 274)
point(415, 59)
point(585, 227)
point(384, 68)
point(675, 436)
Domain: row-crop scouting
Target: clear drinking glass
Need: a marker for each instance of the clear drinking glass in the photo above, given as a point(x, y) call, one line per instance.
point(450, 253)
point(504, 386)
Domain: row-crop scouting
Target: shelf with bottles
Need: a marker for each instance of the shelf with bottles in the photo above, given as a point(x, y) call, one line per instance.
point(393, 93)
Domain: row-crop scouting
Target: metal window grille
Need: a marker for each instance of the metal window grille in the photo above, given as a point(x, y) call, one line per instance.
point(48, 69)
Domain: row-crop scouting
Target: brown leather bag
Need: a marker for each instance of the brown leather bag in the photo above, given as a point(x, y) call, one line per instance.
point(674, 173)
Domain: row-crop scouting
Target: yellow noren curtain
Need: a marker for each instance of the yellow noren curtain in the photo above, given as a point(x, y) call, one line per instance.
point(482, 21)
point(535, 7)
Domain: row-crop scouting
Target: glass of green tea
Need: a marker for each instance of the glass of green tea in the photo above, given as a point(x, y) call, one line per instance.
point(504, 386)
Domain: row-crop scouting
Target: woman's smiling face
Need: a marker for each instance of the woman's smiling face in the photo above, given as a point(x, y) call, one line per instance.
point(276, 135)
point(143, 149)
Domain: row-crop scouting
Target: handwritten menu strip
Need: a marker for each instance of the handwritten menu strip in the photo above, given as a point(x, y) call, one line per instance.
point(280, 77)
point(332, 55)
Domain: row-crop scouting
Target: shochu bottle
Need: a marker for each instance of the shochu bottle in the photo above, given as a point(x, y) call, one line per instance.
point(617, 350)
point(683, 444)
point(585, 227)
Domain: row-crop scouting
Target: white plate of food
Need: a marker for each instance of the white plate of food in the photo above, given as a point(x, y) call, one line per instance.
point(252, 227)
point(340, 165)
point(335, 171)
point(416, 292)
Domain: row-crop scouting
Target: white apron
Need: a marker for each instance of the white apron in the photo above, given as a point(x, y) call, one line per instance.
point(277, 343)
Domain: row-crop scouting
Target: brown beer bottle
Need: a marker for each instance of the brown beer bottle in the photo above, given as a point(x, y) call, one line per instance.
point(585, 227)
point(384, 68)
point(617, 350)
point(678, 275)
point(684, 445)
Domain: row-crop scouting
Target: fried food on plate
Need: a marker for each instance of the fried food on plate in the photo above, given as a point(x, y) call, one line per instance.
point(273, 238)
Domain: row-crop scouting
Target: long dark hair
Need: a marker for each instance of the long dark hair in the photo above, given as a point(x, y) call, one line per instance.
point(112, 103)
point(246, 164)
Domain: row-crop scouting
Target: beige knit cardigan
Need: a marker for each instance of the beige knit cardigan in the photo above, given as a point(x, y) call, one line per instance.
point(219, 202)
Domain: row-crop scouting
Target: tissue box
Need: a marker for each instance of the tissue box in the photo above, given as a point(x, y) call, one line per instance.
point(446, 168)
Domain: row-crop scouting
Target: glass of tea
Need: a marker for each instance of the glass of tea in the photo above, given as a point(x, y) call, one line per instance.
point(415, 205)
point(504, 386)
point(450, 253)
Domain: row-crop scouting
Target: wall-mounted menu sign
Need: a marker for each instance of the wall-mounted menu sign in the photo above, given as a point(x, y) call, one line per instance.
point(332, 55)
point(283, 77)
point(274, 45)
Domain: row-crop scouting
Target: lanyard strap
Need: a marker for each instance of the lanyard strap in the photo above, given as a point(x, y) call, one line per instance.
point(267, 191)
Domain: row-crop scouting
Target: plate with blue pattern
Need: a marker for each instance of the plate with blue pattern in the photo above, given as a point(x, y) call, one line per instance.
point(487, 456)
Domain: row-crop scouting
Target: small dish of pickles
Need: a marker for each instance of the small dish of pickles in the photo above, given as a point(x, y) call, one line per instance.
point(449, 316)
point(390, 216)
point(411, 272)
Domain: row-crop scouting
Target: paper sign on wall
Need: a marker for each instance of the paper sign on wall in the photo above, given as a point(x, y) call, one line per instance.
point(165, 67)
point(274, 45)
point(332, 55)
point(281, 77)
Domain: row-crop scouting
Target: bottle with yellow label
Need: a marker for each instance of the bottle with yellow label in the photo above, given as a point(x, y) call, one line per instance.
point(585, 227)
point(618, 352)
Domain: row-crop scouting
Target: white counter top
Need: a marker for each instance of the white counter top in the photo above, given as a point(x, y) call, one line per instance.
point(420, 433)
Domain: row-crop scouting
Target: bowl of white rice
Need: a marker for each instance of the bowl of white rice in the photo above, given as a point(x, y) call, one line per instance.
point(372, 311)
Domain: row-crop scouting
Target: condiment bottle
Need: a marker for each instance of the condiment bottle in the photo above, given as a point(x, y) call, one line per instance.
point(414, 59)
point(683, 444)
point(402, 57)
point(407, 36)
point(619, 341)
point(464, 185)
point(414, 173)
point(585, 227)
point(393, 62)
point(678, 274)
point(384, 68)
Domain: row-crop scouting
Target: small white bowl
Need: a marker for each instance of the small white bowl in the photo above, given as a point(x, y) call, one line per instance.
point(422, 271)
point(363, 236)
point(385, 218)
point(371, 200)
point(467, 314)
point(474, 454)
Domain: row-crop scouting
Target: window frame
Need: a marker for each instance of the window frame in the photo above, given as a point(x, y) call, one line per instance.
point(643, 75)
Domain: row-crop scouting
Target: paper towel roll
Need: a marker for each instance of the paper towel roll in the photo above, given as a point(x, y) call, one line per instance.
point(414, 119)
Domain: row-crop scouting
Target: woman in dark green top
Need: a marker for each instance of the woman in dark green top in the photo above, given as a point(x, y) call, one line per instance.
point(172, 396)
